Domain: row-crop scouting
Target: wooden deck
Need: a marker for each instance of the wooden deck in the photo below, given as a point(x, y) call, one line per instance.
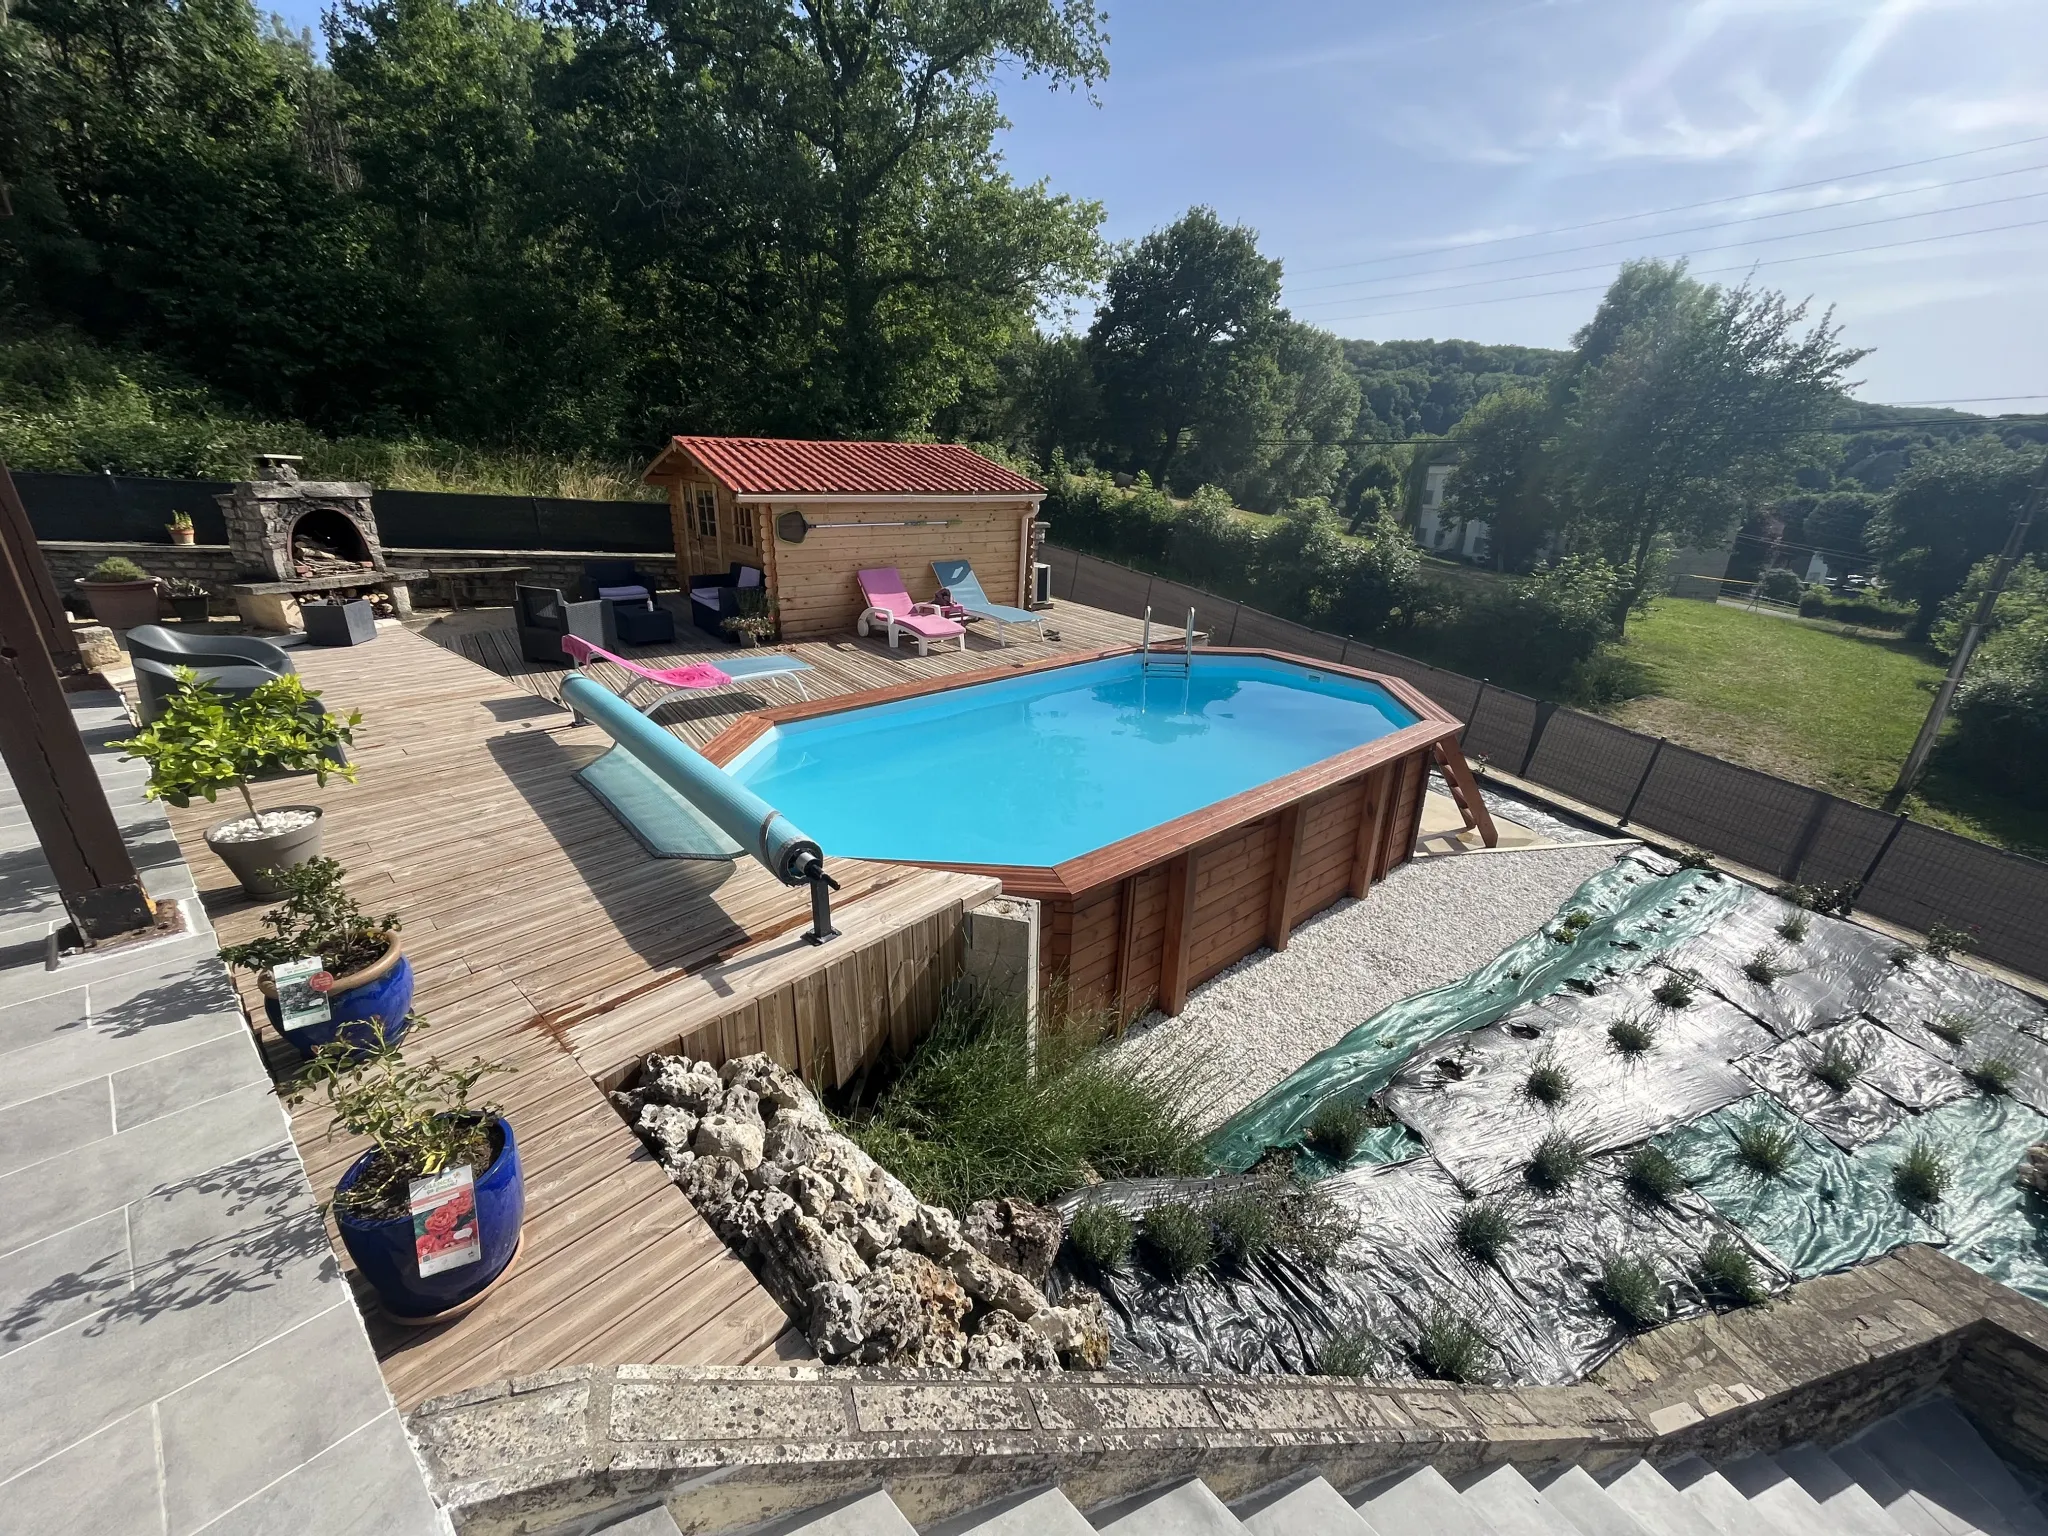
point(544, 937)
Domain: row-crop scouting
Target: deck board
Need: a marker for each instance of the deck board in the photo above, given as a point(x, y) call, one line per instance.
point(532, 917)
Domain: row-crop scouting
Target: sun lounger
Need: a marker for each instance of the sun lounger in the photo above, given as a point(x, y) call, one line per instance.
point(958, 578)
point(891, 607)
point(699, 677)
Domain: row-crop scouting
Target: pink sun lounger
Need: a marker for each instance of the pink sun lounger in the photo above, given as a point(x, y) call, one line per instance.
point(698, 677)
point(890, 607)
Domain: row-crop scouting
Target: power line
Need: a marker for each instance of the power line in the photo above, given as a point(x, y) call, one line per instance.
point(1701, 250)
point(1779, 261)
point(1848, 429)
point(1689, 229)
point(1658, 213)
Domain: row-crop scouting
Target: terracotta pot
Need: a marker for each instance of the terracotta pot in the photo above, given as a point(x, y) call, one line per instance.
point(182, 535)
point(122, 604)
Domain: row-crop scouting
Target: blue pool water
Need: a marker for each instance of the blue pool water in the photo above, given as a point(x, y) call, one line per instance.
point(1040, 768)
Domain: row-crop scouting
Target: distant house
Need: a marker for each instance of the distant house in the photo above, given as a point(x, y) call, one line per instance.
point(809, 515)
point(1442, 534)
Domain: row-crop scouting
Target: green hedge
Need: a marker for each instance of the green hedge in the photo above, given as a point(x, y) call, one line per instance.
point(1870, 612)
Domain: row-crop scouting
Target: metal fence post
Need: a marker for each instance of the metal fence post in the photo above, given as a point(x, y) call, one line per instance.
point(1473, 713)
point(1234, 612)
point(1655, 752)
point(1883, 848)
point(1544, 711)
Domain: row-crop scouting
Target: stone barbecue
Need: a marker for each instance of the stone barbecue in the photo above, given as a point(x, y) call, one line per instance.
point(294, 538)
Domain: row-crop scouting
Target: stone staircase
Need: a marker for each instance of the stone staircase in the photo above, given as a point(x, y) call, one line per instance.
point(1921, 1472)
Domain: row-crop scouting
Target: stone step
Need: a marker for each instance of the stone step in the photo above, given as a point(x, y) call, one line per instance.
point(649, 1522)
point(1507, 1501)
point(1906, 1509)
point(872, 1513)
point(1035, 1512)
point(1187, 1509)
point(1948, 1432)
point(1659, 1508)
point(1920, 1469)
point(1302, 1507)
point(1587, 1506)
point(1418, 1502)
point(1778, 1494)
point(1847, 1502)
point(1718, 1499)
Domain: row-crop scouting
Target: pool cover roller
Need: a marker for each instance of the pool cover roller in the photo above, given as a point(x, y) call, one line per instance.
point(767, 834)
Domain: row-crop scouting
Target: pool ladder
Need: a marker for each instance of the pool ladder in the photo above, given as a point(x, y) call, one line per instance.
point(1167, 662)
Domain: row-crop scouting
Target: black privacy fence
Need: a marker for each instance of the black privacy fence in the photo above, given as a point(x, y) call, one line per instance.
point(1912, 875)
point(103, 509)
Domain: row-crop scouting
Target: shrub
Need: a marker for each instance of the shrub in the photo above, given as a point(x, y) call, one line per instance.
point(1767, 966)
point(1179, 1238)
point(1573, 924)
point(974, 1116)
point(316, 917)
point(1247, 1223)
point(1339, 1126)
point(1693, 858)
point(1448, 1348)
point(1651, 1175)
point(1866, 612)
point(202, 743)
point(1632, 1034)
point(1102, 1235)
point(2000, 735)
point(1483, 1230)
point(1548, 1083)
point(1838, 1065)
point(1780, 586)
point(1766, 1147)
point(1946, 939)
point(1836, 900)
point(1557, 1160)
point(1629, 1288)
point(1994, 1075)
point(117, 568)
point(1921, 1177)
point(1726, 1272)
point(1955, 1028)
point(1674, 991)
point(1351, 1351)
point(1793, 930)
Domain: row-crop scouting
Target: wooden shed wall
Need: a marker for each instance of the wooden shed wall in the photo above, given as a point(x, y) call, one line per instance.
point(814, 581)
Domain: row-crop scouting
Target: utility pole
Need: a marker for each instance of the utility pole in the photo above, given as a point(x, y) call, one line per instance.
point(2015, 542)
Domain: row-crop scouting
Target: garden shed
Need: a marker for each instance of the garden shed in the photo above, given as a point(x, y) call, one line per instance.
point(810, 515)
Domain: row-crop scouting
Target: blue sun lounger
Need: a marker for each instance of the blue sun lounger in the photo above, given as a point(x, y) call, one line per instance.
point(958, 578)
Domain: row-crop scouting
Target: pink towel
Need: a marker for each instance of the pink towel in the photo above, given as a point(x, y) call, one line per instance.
point(700, 675)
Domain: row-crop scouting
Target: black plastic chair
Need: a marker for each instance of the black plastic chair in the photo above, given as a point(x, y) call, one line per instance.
point(544, 616)
point(153, 642)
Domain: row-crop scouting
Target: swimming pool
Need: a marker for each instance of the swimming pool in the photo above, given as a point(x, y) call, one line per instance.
point(1041, 768)
point(1167, 824)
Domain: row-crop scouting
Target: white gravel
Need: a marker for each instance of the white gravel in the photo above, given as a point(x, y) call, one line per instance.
point(249, 829)
point(1430, 922)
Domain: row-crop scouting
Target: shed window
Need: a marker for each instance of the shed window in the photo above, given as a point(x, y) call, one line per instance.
point(743, 526)
point(706, 500)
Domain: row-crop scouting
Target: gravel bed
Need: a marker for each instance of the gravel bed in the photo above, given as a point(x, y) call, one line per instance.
point(1428, 923)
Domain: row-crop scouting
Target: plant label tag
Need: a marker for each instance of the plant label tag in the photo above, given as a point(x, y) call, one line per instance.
point(301, 994)
point(444, 1229)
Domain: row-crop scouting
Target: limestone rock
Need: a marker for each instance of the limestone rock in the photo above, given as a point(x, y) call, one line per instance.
point(737, 1141)
point(668, 1129)
point(786, 1143)
point(1002, 1343)
point(1079, 1333)
point(677, 1080)
point(995, 1287)
point(1016, 1235)
point(839, 1320)
point(935, 1233)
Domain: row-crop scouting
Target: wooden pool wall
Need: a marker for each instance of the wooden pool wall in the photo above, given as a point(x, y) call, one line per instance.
point(1137, 923)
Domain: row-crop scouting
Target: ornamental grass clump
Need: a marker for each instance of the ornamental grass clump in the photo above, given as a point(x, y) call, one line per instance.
point(1651, 1175)
point(1632, 1034)
point(1629, 1288)
point(1767, 966)
point(1353, 1350)
point(1179, 1239)
point(1548, 1083)
point(1483, 1230)
point(1955, 1028)
point(1339, 1127)
point(1448, 1348)
point(1994, 1075)
point(1102, 1235)
point(1676, 990)
point(1247, 1224)
point(1726, 1273)
point(1793, 929)
point(1837, 1065)
point(1765, 1148)
point(1921, 1178)
point(1557, 1160)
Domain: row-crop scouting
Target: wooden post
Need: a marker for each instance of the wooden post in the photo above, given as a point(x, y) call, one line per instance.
point(1286, 876)
point(1176, 952)
point(51, 767)
point(44, 604)
point(1126, 937)
point(1372, 818)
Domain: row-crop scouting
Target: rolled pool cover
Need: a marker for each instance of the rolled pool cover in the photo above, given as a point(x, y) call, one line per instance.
point(736, 810)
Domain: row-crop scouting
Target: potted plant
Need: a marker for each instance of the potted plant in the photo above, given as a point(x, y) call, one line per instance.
point(204, 743)
point(755, 622)
point(122, 594)
point(189, 599)
point(431, 1214)
point(180, 528)
point(364, 976)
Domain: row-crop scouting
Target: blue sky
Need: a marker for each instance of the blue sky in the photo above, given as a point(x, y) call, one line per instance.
point(1384, 151)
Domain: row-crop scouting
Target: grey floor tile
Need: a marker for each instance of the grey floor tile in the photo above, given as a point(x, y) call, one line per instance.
point(170, 1083)
point(368, 1485)
point(282, 1420)
point(34, 1020)
point(224, 1262)
point(96, 1050)
point(54, 1124)
point(114, 1170)
point(103, 1486)
point(63, 1278)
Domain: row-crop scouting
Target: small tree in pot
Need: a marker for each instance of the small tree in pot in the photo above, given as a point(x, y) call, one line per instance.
point(204, 743)
point(122, 594)
point(414, 1245)
point(365, 977)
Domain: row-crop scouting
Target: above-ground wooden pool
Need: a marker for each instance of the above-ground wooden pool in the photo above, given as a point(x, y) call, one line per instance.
point(1171, 814)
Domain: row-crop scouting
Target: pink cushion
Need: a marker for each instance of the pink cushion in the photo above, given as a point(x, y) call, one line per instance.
point(699, 675)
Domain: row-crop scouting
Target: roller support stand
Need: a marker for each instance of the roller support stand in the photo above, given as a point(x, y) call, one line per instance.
point(822, 886)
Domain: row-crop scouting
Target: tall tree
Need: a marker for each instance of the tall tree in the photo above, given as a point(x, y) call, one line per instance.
point(1185, 345)
point(1318, 400)
point(1682, 402)
point(1503, 475)
point(1949, 509)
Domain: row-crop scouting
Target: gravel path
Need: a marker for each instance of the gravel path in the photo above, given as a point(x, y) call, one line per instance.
point(1430, 922)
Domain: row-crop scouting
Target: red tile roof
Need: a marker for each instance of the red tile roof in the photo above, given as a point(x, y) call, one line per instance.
point(770, 466)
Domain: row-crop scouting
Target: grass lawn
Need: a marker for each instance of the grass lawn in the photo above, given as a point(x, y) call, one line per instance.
point(1810, 702)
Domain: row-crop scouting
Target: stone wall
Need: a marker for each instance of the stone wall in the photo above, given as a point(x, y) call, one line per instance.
point(214, 565)
point(724, 1449)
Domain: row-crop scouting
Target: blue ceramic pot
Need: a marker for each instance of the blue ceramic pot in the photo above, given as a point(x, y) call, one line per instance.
point(382, 990)
point(385, 1253)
